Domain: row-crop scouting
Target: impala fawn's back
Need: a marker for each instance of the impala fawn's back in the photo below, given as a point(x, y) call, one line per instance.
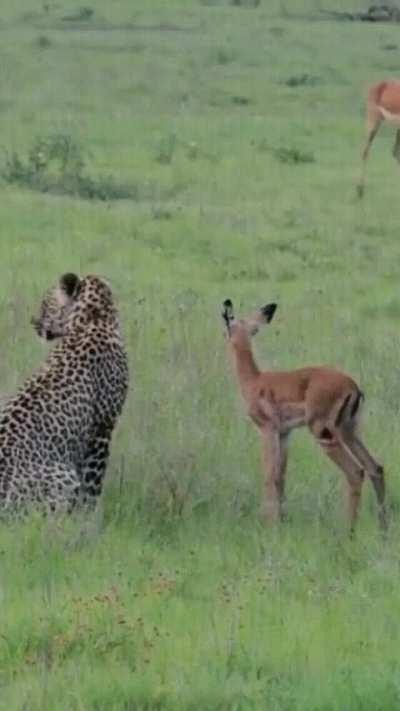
point(322, 399)
point(383, 104)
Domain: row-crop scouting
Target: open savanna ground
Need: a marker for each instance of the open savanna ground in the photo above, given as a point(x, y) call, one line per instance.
point(194, 150)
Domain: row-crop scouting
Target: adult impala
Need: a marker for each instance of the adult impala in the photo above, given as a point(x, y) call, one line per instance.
point(383, 104)
point(323, 399)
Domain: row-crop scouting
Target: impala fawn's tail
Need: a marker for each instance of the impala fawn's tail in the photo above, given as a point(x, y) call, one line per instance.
point(359, 399)
point(346, 423)
point(349, 408)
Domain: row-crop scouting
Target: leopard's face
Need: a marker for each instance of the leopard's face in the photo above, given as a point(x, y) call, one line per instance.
point(73, 305)
point(56, 308)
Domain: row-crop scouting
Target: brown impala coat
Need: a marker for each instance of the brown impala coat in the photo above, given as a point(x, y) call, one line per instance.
point(383, 104)
point(321, 398)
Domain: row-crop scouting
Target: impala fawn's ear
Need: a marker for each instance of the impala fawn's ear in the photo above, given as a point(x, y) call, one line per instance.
point(227, 313)
point(268, 312)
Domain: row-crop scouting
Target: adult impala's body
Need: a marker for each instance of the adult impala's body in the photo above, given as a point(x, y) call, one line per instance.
point(383, 104)
point(323, 399)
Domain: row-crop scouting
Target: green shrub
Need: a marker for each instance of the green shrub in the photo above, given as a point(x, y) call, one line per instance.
point(56, 165)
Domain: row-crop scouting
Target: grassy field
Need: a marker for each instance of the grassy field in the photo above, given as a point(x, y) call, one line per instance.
point(235, 132)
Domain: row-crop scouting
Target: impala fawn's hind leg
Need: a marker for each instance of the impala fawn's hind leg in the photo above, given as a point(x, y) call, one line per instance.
point(274, 451)
point(342, 456)
point(372, 468)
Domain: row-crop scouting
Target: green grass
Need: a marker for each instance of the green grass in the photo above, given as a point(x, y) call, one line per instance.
point(239, 130)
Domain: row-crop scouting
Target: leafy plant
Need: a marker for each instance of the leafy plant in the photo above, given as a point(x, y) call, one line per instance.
point(245, 3)
point(44, 42)
point(56, 165)
point(290, 155)
point(166, 149)
point(83, 14)
point(302, 80)
point(240, 100)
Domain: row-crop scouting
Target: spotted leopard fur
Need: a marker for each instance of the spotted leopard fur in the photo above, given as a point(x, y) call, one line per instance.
point(55, 433)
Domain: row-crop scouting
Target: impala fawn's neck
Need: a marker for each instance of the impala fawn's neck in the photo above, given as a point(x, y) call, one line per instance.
point(246, 367)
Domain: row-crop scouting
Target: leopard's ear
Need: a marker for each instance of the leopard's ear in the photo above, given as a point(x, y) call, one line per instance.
point(69, 283)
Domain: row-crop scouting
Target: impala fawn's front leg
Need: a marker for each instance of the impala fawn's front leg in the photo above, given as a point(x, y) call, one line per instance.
point(344, 458)
point(274, 451)
point(284, 444)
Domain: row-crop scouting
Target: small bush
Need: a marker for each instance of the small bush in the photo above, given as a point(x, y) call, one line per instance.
point(240, 100)
point(166, 149)
point(195, 152)
point(302, 80)
point(192, 150)
point(277, 31)
point(55, 165)
point(245, 3)
point(83, 14)
point(231, 3)
point(57, 149)
point(44, 42)
point(224, 56)
point(161, 213)
point(292, 155)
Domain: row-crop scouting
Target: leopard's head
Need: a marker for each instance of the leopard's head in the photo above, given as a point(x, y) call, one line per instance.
point(56, 307)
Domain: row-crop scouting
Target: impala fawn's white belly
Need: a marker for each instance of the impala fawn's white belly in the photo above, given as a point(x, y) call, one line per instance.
point(389, 116)
point(281, 416)
point(291, 415)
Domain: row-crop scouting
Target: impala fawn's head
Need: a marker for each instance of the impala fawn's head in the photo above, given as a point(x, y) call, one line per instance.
point(240, 331)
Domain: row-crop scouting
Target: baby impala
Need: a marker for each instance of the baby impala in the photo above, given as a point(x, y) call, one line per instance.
point(320, 398)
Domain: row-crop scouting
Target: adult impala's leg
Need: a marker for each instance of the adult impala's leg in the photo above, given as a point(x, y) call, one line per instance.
point(396, 146)
point(373, 123)
point(274, 460)
point(373, 128)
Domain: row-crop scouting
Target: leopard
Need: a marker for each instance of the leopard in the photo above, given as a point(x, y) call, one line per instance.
point(55, 433)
